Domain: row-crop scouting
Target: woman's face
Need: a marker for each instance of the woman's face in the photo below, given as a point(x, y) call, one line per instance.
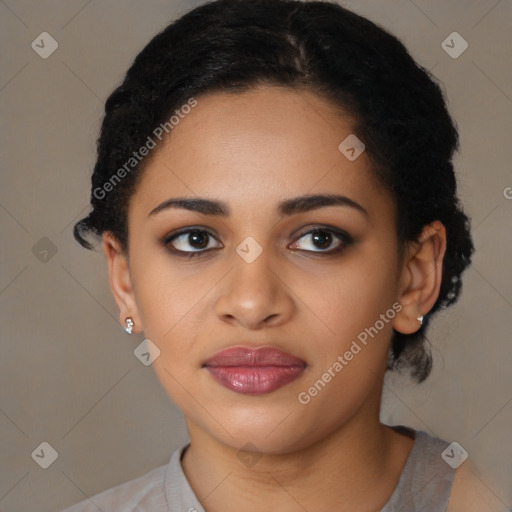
point(261, 276)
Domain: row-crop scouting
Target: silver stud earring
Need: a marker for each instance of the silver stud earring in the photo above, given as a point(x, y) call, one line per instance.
point(129, 325)
point(420, 320)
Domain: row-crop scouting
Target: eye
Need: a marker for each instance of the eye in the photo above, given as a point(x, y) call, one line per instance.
point(200, 240)
point(194, 242)
point(323, 240)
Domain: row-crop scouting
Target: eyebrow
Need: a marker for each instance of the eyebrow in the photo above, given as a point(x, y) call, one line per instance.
point(287, 207)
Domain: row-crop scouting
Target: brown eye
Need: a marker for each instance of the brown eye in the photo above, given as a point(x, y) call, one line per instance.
point(198, 239)
point(322, 240)
point(191, 241)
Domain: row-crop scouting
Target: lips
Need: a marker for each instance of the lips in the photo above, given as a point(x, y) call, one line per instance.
point(254, 371)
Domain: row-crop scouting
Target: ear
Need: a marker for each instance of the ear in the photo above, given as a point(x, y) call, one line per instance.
point(421, 277)
point(121, 280)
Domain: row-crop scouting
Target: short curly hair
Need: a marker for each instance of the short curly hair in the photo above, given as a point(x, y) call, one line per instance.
point(235, 45)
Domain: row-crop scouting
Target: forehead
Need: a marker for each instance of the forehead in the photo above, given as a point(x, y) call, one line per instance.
point(261, 146)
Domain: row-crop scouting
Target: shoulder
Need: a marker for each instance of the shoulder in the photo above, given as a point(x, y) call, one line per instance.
point(426, 479)
point(470, 494)
point(146, 490)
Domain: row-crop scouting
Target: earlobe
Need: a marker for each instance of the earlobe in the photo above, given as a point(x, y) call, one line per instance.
point(421, 277)
point(121, 281)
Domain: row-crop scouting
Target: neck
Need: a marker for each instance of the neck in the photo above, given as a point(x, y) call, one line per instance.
point(357, 466)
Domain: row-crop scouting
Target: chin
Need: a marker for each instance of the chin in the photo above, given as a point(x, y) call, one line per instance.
point(268, 433)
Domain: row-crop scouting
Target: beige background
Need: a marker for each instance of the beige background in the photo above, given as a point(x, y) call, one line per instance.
point(68, 375)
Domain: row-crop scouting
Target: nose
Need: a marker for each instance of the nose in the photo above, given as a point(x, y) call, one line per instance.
point(254, 295)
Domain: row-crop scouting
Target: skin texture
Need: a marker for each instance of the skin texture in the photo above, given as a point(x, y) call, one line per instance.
point(252, 150)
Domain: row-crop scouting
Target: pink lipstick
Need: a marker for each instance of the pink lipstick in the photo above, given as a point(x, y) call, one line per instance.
point(254, 371)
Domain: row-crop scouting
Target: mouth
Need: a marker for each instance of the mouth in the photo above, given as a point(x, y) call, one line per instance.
point(254, 371)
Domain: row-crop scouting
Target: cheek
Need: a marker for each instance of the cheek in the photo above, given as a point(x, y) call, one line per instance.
point(352, 295)
point(355, 301)
point(168, 303)
point(166, 297)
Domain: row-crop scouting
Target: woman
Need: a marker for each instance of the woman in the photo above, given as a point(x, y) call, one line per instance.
point(277, 204)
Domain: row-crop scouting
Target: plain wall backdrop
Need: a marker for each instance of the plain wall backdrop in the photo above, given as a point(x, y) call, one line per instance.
point(68, 375)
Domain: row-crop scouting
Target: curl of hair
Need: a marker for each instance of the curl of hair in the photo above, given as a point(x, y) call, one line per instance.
point(235, 45)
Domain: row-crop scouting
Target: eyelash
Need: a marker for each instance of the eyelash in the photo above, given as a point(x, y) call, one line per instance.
point(342, 236)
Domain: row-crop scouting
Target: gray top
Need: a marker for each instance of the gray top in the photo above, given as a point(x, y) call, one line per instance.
point(425, 484)
point(426, 479)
